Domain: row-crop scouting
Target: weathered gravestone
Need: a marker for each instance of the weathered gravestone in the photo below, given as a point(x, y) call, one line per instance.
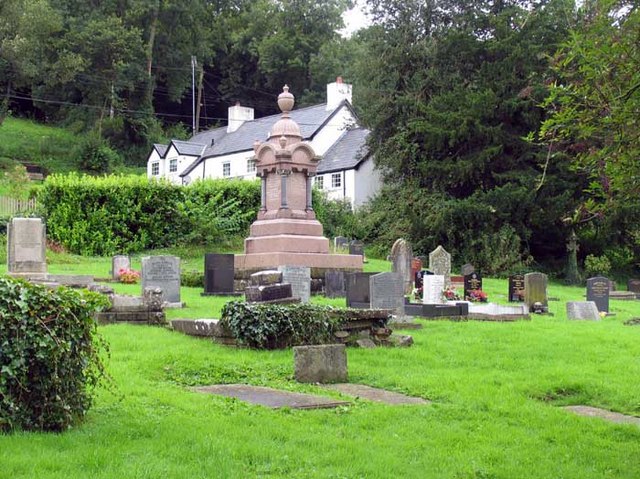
point(598, 292)
point(299, 277)
point(401, 255)
point(432, 288)
point(334, 284)
point(340, 242)
point(356, 247)
point(357, 287)
point(218, 274)
point(440, 264)
point(472, 282)
point(119, 263)
point(535, 292)
point(582, 310)
point(386, 291)
point(325, 363)
point(26, 248)
point(633, 285)
point(162, 272)
point(467, 269)
point(516, 287)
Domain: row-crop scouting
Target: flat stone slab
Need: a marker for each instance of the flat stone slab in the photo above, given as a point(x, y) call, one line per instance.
point(272, 398)
point(374, 394)
point(610, 416)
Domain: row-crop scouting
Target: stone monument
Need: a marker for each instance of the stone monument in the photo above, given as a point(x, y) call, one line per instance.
point(440, 264)
point(26, 248)
point(401, 256)
point(286, 231)
point(162, 272)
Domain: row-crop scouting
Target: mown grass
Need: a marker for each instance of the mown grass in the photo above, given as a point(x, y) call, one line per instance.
point(495, 387)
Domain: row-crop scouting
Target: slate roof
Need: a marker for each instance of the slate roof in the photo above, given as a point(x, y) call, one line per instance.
point(161, 149)
point(188, 148)
point(347, 152)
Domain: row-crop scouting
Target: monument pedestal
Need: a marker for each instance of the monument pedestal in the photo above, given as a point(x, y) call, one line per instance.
point(247, 264)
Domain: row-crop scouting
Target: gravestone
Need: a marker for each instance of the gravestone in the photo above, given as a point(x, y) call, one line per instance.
point(467, 269)
point(440, 264)
point(583, 310)
point(387, 292)
point(432, 288)
point(598, 292)
point(325, 363)
point(262, 278)
point(118, 263)
point(633, 285)
point(535, 291)
point(26, 248)
point(401, 255)
point(218, 274)
point(356, 247)
point(334, 284)
point(357, 290)
point(162, 272)
point(269, 292)
point(340, 242)
point(472, 282)
point(416, 267)
point(516, 287)
point(299, 277)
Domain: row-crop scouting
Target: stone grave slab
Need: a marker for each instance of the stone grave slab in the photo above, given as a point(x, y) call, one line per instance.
point(357, 290)
point(269, 292)
point(610, 416)
point(583, 310)
point(497, 312)
point(162, 272)
point(323, 363)
point(26, 248)
point(119, 262)
point(401, 255)
point(369, 393)
point(516, 288)
point(263, 278)
point(622, 295)
point(272, 398)
point(356, 247)
point(218, 274)
point(432, 287)
point(199, 327)
point(598, 292)
point(299, 277)
point(334, 284)
point(633, 285)
point(340, 242)
point(535, 290)
point(440, 264)
point(387, 292)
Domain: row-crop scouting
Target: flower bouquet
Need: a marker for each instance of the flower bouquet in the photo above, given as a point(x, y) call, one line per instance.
point(128, 276)
point(477, 296)
point(449, 294)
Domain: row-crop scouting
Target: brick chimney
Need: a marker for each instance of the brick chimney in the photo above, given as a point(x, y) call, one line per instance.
point(237, 116)
point(336, 92)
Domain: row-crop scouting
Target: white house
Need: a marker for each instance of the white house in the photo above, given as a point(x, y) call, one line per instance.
point(346, 170)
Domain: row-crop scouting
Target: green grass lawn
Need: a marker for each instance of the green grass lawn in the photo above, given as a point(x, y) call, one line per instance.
point(496, 389)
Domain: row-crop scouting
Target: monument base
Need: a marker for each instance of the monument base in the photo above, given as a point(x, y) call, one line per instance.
point(247, 264)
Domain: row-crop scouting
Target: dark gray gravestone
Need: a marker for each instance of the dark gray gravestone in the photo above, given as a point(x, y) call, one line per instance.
point(472, 282)
point(162, 272)
point(467, 269)
point(269, 292)
point(598, 292)
point(334, 284)
point(516, 287)
point(357, 289)
point(356, 247)
point(340, 242)
point(218, 274)
point(299, 277)
point(387, 292)
point(583, 310)
point(633, 285)
point(535, 290)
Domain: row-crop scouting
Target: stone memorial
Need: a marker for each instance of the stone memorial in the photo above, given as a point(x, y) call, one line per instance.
point(334, 284)
point(416, 266)
point(357, 290)
point(340, 243)
point(467, 269)
point(299, 277)
point(325, 363)
point(26, 248)
point(386, 291)
point(583, 310)
point(119, 262)
point(401, 256)
point(598, 292)
point(218, 274)
point(516, 288)
point(162, 272)
point(356, 248)
point(472, 282)
point(262, 278)
point(433, 286)
point(279, 292)
point(535, 291)
point(440, 264)
point(633, 285)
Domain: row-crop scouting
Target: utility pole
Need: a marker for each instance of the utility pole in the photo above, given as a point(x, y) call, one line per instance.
point(193, 92)
point(199, 100)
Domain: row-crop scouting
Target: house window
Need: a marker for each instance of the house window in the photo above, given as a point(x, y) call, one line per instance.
point(336, 180)
point(155, 168)
point(173, 165)
point(226, 169)
point(251, 166)
point(320, 182)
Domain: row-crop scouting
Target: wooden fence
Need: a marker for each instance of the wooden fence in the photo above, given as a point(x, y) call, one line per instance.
point(10, 206)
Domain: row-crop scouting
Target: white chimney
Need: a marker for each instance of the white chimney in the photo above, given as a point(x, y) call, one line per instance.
point(336, 92)
point(237, 116)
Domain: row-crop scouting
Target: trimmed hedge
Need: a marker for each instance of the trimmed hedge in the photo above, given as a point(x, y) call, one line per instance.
point(126, 214)
point(49, 355)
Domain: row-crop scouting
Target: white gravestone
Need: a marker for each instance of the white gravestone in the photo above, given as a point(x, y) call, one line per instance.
point(26, 248)
point(299, 277)
point(119, 262)
point(432, 289)
point(162, 272)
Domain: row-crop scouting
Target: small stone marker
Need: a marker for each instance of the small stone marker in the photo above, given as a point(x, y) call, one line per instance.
point(432, 289)
point(299, 277)
point(633, 285)
point(218, 274)
point(516, 288)
point(467, 269)
point(387, 292)
point(340, 242)
point(162, 272)
point(401, 255)
point(263, 278)
point(598, 292)
point(356, 247)
point(271, 397)
point(199, 327)
point(583, 310)
point(610, 416)
point(440, 264)
point(374, 394)
point(357, 288)
point(472, 282)
point(325, 363)
point(535, 290)
point(334, 284)
point(268, 292)
point(118, 263)
point(26, 248)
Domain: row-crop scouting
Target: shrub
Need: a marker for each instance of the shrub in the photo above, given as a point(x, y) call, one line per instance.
point(597, 265)
point(49, 355)
point(193, 279)
point(268, 326)
point(94, 155)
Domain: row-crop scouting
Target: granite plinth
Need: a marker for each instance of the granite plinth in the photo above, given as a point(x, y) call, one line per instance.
point(245, 264)
point(289, 243)
point(282, 226)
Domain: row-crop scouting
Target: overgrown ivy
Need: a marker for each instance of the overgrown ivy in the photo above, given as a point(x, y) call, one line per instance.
point(50, 355)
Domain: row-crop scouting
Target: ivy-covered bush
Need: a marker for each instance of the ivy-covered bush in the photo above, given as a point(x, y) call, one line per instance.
point(271, 326)
point(49, 355)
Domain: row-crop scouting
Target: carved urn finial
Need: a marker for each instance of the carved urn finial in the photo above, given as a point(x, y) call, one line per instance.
point(285, 127)
point(286, 101)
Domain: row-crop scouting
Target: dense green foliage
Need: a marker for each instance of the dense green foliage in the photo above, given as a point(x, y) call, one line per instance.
point(49, 355)
point(103, 216)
